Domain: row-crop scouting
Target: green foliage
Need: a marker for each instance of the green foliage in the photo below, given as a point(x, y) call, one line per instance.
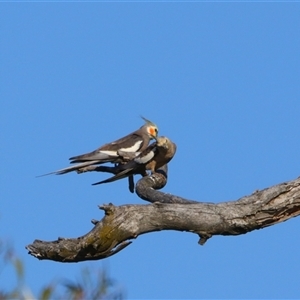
point(93, 284)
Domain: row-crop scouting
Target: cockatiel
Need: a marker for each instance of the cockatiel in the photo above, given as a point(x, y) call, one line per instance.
point(155, 156)
point(113, 152)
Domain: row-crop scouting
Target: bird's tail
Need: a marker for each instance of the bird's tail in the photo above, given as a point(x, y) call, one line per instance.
point(72, 168)
point(120, 175)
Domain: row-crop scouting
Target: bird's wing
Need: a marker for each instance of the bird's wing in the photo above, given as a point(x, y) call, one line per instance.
point(130, 143)
point(145, 156)
point(100, 156)
point(120, 175)
point(134, 166)
point(72, 168)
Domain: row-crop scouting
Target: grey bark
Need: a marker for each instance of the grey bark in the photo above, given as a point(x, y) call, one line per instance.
point(123, 223)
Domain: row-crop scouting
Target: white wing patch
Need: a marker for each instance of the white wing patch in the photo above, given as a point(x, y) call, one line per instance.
point(109, 153)
point(144, 159)
point(133, 148)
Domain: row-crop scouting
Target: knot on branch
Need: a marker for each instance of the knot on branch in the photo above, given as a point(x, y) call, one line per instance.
point(203, 238)
point(108, 208)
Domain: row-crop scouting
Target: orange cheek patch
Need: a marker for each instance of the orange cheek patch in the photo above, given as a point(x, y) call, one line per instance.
point(152, 131)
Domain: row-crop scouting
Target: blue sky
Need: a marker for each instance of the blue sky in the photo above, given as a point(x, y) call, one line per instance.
point(220, 79)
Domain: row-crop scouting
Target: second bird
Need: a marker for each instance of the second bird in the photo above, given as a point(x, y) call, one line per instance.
point(134, 142)
point(152, 158)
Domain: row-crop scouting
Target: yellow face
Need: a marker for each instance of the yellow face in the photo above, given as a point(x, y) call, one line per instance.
point(152, 131)
point(163, 142)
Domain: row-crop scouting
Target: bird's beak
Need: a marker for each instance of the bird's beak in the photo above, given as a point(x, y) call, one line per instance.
point(154, 137)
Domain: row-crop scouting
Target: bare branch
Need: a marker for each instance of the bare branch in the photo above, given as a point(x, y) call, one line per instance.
point(169, 212)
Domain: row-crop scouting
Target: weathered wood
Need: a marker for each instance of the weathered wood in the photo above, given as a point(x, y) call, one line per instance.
point(169, 212)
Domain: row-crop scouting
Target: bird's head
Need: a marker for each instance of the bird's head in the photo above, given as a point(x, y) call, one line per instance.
point(163, 142)
point(151, 128)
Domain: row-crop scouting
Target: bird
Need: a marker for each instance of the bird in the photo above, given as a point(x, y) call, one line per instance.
point(116, 152)
point(151, 159)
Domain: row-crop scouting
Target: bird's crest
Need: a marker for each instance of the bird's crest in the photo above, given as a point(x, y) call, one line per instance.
point(151, 127)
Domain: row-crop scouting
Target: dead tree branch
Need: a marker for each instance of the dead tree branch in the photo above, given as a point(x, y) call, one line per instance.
point(169, 212)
